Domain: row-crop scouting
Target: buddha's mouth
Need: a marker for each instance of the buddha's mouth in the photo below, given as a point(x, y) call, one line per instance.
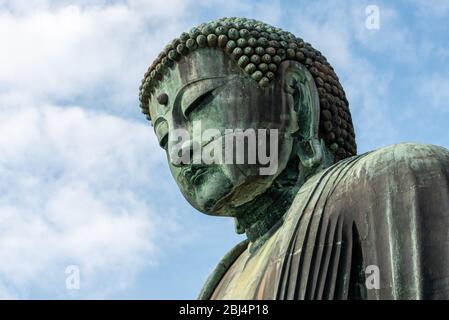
point(192, 173)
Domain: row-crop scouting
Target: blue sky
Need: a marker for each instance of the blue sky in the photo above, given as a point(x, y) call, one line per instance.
point(82, 180)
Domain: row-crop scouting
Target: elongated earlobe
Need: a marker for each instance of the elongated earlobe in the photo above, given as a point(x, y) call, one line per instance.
point(302, 94)
point(310, 153)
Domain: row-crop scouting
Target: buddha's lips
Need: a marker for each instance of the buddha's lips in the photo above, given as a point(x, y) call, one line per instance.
point(192, 172)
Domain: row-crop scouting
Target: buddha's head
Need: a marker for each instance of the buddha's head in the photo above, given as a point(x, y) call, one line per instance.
point(237, 80)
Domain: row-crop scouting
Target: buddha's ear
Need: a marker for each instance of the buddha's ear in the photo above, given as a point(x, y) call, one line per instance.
point(302, 97)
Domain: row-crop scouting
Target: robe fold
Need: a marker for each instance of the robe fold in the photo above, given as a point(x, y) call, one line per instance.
point(373, 226)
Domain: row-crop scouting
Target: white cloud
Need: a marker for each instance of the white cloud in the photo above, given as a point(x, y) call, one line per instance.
point(70, 185)
point(56, 51)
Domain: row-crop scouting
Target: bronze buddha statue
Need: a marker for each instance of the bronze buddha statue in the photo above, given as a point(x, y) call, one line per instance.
point(319, 215)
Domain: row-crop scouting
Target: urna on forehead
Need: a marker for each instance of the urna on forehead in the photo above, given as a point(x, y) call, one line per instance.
point(258, 49)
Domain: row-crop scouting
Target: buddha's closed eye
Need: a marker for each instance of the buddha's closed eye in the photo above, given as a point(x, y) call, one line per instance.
point(199, 94)
point(199, 102)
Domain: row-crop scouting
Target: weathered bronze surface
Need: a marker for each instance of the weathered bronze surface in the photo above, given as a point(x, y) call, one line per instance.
point(325, 215)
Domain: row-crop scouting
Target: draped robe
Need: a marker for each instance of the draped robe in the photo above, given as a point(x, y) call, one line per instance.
point(386, 209)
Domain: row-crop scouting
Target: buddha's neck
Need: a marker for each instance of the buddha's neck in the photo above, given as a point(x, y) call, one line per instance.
point(261, 217)
point(260, 221)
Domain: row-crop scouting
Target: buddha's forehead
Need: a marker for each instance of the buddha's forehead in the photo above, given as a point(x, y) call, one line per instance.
point(204, 64)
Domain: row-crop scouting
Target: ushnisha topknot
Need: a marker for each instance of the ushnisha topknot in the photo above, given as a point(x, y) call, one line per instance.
point(258, 49)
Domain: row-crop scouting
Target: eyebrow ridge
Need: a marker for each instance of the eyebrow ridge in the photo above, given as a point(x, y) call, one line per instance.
point(187, 85)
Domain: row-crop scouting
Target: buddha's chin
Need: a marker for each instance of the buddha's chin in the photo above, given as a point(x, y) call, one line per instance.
point(209, 188)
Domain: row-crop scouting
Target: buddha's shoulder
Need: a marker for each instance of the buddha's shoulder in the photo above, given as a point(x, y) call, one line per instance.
point(394, 158)
point(395, 162)
point(352, 181)
point(405, 152)
point(400, 162)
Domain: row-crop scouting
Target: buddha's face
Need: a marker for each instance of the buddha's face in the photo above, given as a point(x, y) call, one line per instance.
point(208, 90)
